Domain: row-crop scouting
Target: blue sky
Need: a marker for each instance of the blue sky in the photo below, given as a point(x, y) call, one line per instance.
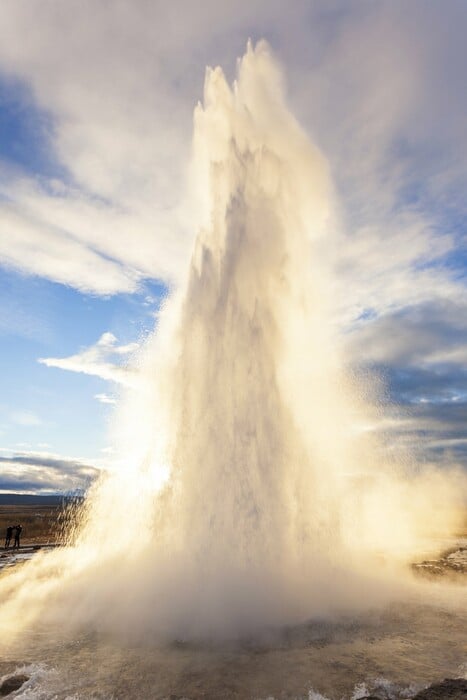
point(96, 104)
point(43, 319)
point(47, 411)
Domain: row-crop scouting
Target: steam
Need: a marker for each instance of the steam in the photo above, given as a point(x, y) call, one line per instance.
point(247, 494)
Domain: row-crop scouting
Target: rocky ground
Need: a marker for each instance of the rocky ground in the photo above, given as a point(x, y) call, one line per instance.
point(452, 563)
point(448, 689)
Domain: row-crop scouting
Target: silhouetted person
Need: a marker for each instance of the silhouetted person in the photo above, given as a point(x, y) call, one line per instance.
point(9, 532)
point(18, 531)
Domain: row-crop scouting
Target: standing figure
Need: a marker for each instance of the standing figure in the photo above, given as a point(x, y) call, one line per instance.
point(9, 532)
point(18, 531)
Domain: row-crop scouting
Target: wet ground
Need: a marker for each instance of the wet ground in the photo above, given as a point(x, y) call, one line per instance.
point(389, 653)
point(12, 557)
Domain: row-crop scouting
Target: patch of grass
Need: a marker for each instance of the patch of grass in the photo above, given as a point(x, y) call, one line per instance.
point(41, 524)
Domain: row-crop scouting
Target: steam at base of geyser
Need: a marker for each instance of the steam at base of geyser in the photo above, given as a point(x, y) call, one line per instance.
point(247, 497)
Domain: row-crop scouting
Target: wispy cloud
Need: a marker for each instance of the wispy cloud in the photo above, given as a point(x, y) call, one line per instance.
point(101, 247)
point(29, 244)
point(97, 359)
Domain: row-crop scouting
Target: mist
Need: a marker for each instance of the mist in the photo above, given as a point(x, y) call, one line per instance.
point(247, 493)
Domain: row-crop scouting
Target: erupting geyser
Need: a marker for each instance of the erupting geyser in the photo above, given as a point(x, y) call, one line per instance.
point(247, 496)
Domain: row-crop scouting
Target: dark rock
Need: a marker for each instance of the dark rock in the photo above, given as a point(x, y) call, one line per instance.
point(12, 683)
point(449, 689)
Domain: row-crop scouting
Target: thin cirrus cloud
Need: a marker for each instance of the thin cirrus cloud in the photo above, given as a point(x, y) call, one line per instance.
point(99, 360)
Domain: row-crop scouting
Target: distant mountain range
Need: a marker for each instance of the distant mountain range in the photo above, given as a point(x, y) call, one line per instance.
point(22, 499)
